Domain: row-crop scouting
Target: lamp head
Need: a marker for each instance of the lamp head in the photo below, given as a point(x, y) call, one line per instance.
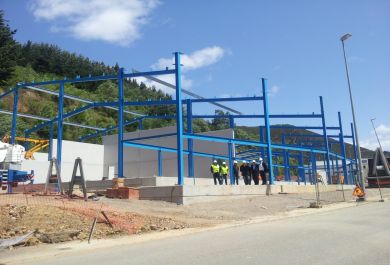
point(346, 36)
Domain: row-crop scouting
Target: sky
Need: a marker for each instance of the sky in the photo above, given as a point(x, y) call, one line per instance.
point(228, 46)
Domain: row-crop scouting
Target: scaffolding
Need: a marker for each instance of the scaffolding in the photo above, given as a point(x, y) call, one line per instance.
point(305, 152)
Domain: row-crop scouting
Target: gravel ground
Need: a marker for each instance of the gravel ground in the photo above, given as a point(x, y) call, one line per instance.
point(61, 220)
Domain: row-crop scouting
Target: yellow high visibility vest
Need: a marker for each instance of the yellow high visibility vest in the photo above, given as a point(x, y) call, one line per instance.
point(224, 170)
point(215, 168)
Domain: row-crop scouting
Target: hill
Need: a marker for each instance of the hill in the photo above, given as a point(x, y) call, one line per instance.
point(276, 136)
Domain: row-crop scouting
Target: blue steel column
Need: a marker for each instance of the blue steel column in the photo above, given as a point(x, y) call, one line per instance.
point(179, 120)
point(301, 168)
point(342, 148)
point(50, 148)
point(326, 142)
point(267, 129)
point(332, 160)
point(14, 115)
point(354, 153)
point(159, 158)
point(121, 95)
point(190, 141)
point(285, 161)
point(230, 152)
point(26, 144)
point(314, 166)
point(60, 123)
point(231, 173)
point(261, 133)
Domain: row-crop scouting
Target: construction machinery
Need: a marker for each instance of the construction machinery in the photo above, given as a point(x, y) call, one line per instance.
point(29, 154)
point(379, 169)
point(11, 158)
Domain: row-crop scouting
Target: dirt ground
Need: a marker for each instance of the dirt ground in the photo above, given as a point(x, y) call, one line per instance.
point(58, 220)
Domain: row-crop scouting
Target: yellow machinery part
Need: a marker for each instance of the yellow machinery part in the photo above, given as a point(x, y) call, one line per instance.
point(39, 145)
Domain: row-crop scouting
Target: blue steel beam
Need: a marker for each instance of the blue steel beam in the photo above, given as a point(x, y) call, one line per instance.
point(70, 114)
point(256, 116)
point(222, 140)
point(34, 117)
point(95, 78)
point(173, 150)
point(150, 103)
point(254, 98)
point(105, 130)
point(189, 93)
point(302, 127)
point(314, 135)
point(7, 93)
point(111, 128)
point(149, 137)
point(67, 96)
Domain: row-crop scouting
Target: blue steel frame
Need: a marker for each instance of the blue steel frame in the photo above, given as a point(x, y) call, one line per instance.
point(264, 147)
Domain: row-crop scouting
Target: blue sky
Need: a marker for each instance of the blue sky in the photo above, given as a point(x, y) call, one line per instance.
point(230, 45)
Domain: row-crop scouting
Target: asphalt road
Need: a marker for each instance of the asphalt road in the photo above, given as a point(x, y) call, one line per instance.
point(355, 235)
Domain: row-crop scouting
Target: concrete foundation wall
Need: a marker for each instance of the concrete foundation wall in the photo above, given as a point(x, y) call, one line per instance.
point(194, 194)
point(143, 163)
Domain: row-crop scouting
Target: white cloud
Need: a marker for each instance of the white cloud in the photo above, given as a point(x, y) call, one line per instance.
point(384, 137)
point(273, 91)
point(195, 60)
point(114, 21)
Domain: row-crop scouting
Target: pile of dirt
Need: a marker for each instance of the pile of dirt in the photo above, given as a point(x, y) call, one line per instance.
point(54, 224)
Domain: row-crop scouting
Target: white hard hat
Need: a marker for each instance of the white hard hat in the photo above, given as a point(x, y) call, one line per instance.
point(260, 158)
point(253, 161)
point(235, 162)
point(243, 161)
point(215, 161)
point(223, 163)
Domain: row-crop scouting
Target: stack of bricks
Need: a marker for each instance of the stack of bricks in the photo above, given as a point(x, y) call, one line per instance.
point(119, 191)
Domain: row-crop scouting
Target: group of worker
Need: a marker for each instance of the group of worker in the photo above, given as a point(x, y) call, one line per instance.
point(255, 171)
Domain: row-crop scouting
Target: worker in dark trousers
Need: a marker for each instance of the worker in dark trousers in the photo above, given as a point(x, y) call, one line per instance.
point(224, 170)
point(255, 172)
point(235, 172)
point(263, 168)
point(244, 168)
point(215, 171)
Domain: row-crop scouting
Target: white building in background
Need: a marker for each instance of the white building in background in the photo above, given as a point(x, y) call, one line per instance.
point(92, 156)
point(101, 160)
point(140, 163)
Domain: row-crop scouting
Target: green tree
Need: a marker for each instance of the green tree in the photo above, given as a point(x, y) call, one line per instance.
point(8, 49)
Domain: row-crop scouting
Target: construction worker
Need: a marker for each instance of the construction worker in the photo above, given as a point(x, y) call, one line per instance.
point(215, 171)
point(255, 172)
point(224, 170)
point(244, 168)
point(235, 172)
point(263, 168)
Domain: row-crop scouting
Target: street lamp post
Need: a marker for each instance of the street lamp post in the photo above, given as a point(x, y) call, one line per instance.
point(360, 175)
